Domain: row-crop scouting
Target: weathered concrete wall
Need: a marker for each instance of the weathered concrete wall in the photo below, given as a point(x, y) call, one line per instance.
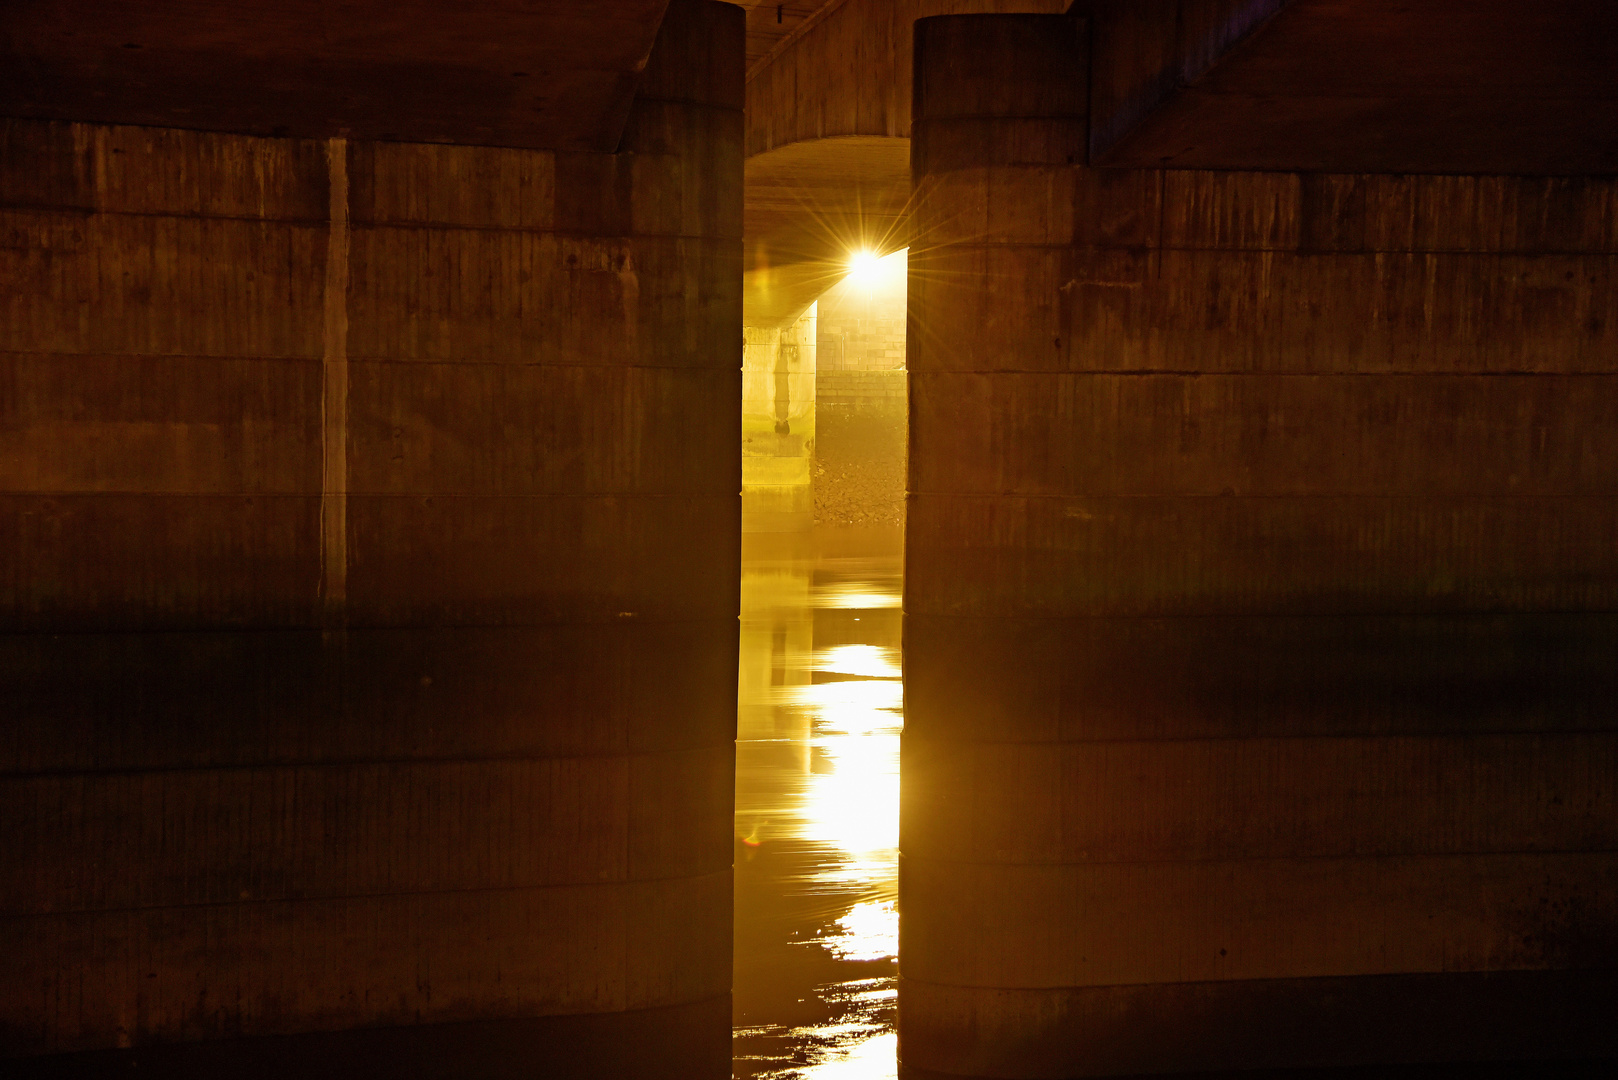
point(368, 548)
point(542, 74)
point(860, 395)
point(1372, 86)
point(862, 320)
point(1258, 601)
point(1144, 51)
point(862, 389)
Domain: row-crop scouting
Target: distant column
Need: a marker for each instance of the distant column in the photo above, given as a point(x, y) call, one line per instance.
point(1259, 601)
point(778, 425)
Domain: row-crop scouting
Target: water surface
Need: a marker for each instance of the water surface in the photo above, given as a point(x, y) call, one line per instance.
point(817, 806)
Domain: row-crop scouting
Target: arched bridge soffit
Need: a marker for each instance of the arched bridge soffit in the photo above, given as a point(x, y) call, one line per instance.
point(846, 69)
point(809, 206)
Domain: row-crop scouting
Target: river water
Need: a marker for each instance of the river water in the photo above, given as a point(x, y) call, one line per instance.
point(821, 704)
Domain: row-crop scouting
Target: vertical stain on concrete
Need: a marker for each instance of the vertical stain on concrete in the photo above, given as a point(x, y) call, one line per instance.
point(334, 397)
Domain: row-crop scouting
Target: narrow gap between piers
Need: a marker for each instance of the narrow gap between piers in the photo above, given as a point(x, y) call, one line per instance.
point(820, 687)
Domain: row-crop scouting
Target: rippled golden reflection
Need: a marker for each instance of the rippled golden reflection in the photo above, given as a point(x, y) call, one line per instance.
point(821, 709)
point(854, 804)
point(857, 594)
point(870, 931)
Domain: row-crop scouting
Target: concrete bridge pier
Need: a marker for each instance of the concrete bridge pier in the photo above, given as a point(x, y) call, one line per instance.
point(368, 546)
point(1259, 601)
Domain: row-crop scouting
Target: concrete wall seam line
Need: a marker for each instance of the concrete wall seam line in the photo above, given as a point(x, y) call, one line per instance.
point(594, 884)
point(334, 397)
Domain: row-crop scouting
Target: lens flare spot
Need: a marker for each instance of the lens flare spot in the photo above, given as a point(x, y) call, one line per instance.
point(865, 268)
point(871, 272)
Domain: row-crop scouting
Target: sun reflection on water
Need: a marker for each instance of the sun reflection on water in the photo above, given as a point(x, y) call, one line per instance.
point(869, 660)
point(870, 931)
point(822, 705)
point(858, 594)
point(861, 1060)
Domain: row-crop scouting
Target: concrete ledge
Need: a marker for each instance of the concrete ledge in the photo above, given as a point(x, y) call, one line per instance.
point(1548, 1069)
point(1188, 920)
point(680, 1042)
point(1260, 1024)
point(991, 681)
point(88, 982)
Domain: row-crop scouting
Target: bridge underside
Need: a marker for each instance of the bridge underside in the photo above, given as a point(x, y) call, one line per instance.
point(371, 418)
point(1357, 86)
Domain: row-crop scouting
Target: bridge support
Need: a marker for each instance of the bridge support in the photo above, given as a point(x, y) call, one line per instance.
point(370, 533)
point(1259, 597)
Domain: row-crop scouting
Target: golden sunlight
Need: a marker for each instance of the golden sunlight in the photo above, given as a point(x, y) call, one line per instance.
point(871, 272)
point(871, 661)
point(864, 268)
point(867, 1059)
point(869, 931)
point(854, 806)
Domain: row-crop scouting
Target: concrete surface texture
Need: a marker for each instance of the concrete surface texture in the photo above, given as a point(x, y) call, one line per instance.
point(530, 73)
point(768, 24)
point(368, 551)
point(1258, 600)
point(374, 384)
point(1440, 86)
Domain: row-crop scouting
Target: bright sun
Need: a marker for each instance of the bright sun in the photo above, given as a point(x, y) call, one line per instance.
point(864, 267)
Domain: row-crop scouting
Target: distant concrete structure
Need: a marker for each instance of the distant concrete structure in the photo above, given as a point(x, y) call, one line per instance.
point(778, 424)
point(860, 398)
point(828, 152)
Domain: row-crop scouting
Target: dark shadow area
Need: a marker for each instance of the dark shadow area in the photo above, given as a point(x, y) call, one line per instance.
point(686, 1042)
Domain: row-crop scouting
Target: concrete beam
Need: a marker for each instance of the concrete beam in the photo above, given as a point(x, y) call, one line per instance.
point(1143, 52)
point(554, 74)
point(1441, 86)
point(847, 70)
point(769, 21)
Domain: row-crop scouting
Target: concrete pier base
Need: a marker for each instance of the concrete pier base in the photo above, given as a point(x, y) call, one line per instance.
point(673, 1043)
point(368, 547)
point(1258, 601)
